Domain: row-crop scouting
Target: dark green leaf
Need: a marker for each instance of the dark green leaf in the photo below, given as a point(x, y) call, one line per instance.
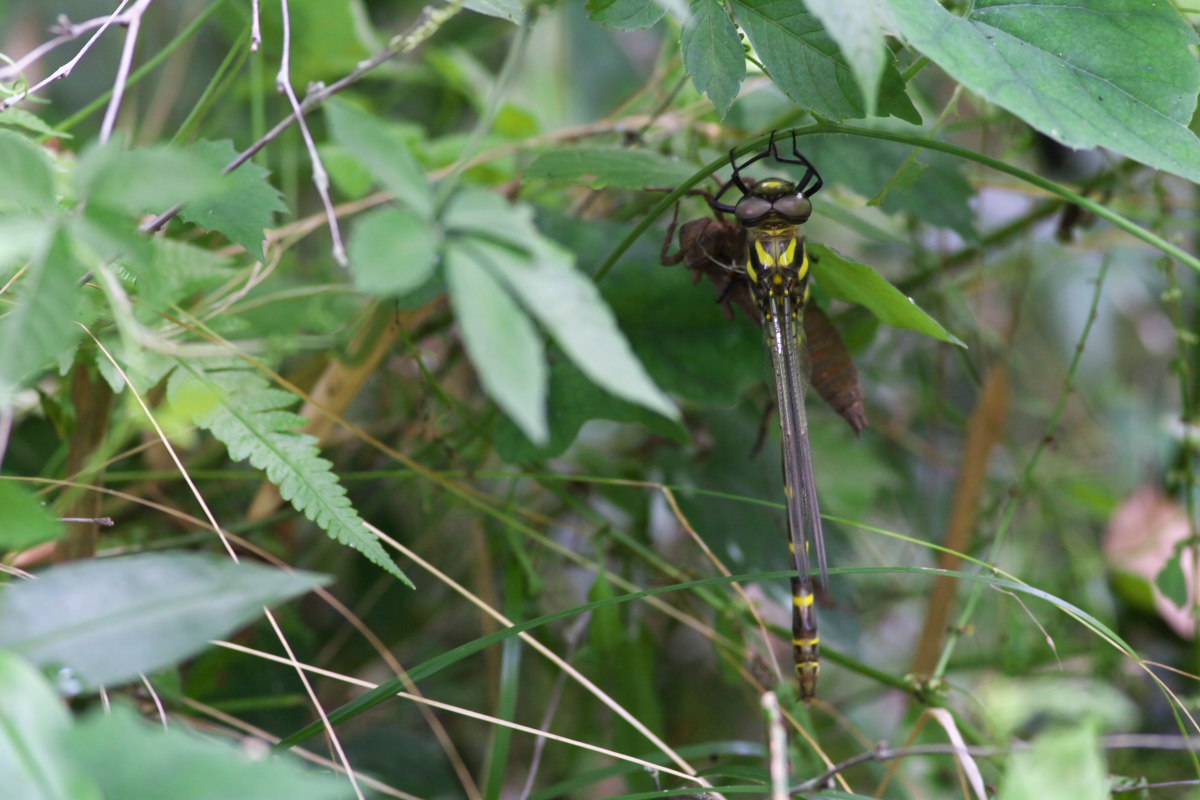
point(34, 721)
point(713, 54)
point(47, 296)
point(503, 344)
point(243, 203)
point(626, 15)
point(133, 759)
point(24, 521)
point(1118, 74)
point(858, 29)
point(392, 252)
point(384, 152)
point(855, 282)
point(681, 334)
point(806, 63)
point(575, 400)
point(599, 167)
point(27, 181)
point(110, 619)
point(1172, 582)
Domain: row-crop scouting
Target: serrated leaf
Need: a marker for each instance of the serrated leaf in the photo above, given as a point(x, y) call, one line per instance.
point(42, 318)
point(32, 722)
point(598, 167)
point(145, 179)
point(384, 152)
point(713, 54)
point(1118, 75)
point(107, 620)
point(241, 205)
point(24, 521)
point(252, 421)
point(807, 65)
point(392, 252)
point(130, 758)
point(858, 30)
point(503, 344)
point(27, 182)
point(568, 305)
point(855, 282)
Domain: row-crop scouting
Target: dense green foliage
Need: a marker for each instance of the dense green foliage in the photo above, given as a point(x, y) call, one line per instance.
point(418, 360)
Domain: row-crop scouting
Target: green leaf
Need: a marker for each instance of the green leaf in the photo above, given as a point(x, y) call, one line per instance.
point(681, 334)
point(1118, 75)
point(511, 10)
point(858, 29)
point(107, 620)
point(478, 212)
point(503, 344)
point(855, 282)
point(133, 759)
point(1063, 763)
point(384, 152)
point(574, 400)
point(598, 167)
point(251, 419)
point(1172, 581)
point(24, 521)
point(20, 236)
point(626, 15)
point(392, 252)
point(19, 118)
point(713, 54)
point(807, 65)
point(41, 320)
point(32, 722)
point(146, 179)
point(27, 182)
point(241, 205)
point(568, 305)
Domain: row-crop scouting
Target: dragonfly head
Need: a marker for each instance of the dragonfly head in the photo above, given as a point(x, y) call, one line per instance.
point(773, 197)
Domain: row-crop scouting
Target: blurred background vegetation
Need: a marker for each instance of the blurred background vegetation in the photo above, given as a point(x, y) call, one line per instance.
point(1054, 451)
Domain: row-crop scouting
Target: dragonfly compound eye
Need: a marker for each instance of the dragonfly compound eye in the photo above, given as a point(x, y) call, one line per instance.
point(751, 209)
point(793, 207)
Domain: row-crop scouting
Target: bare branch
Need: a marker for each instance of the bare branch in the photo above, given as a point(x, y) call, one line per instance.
point(134, 17)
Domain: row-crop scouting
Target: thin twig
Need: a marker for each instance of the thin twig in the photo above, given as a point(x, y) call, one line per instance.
point(283, 82)
point(65, 69)
point(425, 27)
point(134, 21)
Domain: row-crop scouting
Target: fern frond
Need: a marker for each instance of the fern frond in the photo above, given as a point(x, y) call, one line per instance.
point(252, 420)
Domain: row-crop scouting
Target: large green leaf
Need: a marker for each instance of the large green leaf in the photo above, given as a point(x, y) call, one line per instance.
point(108, 620)
point(243, 203)
point(145, 179)
point(568, 304)
point(392, 251)
point(713, 54)
point(27, 182)
point(384, 152)
point(133, 759)
point(1063, 763)
point(855, 282)
point(1116, 74)
point(598, 167)
point(807, 65)
point(502, 341)
point(32, 722)
point(858, 29)
point(40, 324)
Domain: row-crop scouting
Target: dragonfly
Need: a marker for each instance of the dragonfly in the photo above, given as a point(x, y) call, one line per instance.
point(766, 263)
